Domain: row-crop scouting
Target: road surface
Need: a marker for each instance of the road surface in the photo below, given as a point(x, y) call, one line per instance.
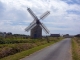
point(59, 51)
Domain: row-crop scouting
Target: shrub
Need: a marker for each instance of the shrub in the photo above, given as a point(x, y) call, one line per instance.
point(2, 40)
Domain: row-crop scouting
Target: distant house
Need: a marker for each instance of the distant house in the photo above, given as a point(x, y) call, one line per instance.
point(3, 34)
point(78, 35)
point(9, 34)
point(55, 35)
point(66, 36)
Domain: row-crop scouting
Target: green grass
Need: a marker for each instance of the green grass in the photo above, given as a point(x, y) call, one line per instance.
point(75, 51)
point(23, 54)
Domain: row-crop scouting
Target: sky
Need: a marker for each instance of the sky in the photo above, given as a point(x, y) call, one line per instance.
point(64, 17)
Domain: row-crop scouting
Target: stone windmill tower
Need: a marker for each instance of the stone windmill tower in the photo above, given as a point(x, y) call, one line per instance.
point(36, 26)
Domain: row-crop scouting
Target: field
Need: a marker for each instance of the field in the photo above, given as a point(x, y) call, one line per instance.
point(76, 48)
point(9, 46)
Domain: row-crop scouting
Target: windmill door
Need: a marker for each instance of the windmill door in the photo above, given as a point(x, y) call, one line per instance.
point(35, 35)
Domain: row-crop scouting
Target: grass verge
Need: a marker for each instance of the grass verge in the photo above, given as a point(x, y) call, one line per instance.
point(23, 54)
point(75, 50)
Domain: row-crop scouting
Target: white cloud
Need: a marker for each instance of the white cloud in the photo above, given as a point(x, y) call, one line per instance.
point(59, 19)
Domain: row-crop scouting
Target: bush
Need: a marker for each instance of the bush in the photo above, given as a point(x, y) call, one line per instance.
point(2, 40)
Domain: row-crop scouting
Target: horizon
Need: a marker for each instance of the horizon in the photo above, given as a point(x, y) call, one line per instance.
point(42, 35)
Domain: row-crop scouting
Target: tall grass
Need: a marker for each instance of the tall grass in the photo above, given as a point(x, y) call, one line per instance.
point(22, 45)
point(75, 49)
point(23, 54)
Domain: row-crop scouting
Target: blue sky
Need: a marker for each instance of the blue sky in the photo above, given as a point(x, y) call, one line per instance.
point(64, 15)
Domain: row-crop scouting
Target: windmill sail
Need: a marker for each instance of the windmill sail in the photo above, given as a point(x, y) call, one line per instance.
point(44, 15)
point(32, 14)
point(34, 21)
point(44, 28)
point(30, 26)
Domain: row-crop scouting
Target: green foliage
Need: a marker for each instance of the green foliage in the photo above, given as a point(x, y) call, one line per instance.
point(2, 40)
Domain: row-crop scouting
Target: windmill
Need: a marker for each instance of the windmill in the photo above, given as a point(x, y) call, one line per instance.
point(36, 26)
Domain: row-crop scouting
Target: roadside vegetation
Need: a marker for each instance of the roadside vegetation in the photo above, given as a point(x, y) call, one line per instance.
point(14, 49)
point(76, 48)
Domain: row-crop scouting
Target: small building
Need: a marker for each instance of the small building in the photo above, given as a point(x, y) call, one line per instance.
point(2, 34)
point(55, 35)
point(9, 34)
point(78, 35)
point(66, 36)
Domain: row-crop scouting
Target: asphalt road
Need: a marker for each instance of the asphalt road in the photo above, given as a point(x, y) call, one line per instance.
point(58, 51)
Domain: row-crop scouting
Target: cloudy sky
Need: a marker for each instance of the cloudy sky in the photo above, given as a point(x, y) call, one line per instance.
point(64, 15)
